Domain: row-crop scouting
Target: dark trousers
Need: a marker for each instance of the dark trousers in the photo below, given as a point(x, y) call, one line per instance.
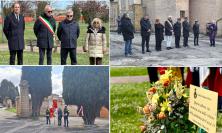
point(153, 74)
point(59, 121)
point(42, 55)
point(64, 54)
point(19, 57)
point(185, 41)
point(196, 39)
point(66, 122)
point(177, 41)
point(220, 102)
point(95, 60)
point(145, 39)
point(212, 41)
point(48, 120)
point(158, 44)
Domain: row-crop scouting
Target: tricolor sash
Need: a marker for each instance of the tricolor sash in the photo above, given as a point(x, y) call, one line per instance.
point(47, 24)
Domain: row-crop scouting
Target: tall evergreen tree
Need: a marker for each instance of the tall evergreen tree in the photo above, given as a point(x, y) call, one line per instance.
point(40, 85)
point(8, 89)
point(87, 87)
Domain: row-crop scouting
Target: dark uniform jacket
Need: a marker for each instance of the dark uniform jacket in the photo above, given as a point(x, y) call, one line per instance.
point(168, 28)
point(186, 29)
point(44, 36)
point(127, 29)
point(196, 29)
point(145, 26)
point(159, 30)
point(68, 33)
point(177, 29)
point(14, 31)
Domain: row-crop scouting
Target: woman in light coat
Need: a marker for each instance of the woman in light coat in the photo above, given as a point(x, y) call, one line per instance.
point(95, 43)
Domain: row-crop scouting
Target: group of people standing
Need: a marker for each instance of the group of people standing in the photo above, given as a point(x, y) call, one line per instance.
point(45, 31)
point(126, 27)
point(60, 114)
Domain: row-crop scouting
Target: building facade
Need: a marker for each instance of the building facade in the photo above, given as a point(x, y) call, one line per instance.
point(202, 10)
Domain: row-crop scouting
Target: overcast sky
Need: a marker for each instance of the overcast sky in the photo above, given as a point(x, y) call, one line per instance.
point(13, 73)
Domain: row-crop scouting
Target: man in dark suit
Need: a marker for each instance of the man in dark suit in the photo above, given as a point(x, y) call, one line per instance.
point(44, 29)
point(14, 26)
point(177, 32)
point(186, 30)
point(145, 33)
point(196, 33)
point(68, 33)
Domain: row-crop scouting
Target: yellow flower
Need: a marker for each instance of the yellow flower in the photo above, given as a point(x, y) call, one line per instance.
point(155, 98)
point(165, 106)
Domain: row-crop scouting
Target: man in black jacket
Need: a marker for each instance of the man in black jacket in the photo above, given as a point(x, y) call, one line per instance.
point(169, 32)
point(14, 26)
point(145, 33)
point(196, 33)
point(44, 29)
point(68, 33)
point(186, 30)
point(177, 32)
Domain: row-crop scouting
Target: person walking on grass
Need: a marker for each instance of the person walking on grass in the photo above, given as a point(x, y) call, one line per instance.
point(14, 27)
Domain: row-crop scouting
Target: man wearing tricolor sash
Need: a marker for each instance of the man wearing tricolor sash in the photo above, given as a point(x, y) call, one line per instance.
point(44, 29)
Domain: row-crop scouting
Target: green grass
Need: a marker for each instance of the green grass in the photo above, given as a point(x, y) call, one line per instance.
point(128, 71)
point(32, 58)
point(125, 98)
point(29, 33)
point(219, 122)
point(11, 110)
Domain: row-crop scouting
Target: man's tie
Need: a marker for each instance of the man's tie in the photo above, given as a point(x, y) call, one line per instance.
point(17, 16)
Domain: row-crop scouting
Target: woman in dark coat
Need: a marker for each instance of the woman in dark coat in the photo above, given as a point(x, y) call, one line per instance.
point(159, 30)
point(212, 33)
point(128, 33)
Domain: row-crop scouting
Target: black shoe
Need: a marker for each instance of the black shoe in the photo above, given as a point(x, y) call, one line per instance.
point(148, 50)
point(143, 52)
point(171, 48)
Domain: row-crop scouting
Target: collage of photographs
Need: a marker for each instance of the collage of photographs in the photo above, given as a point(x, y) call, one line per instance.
point(111, 66)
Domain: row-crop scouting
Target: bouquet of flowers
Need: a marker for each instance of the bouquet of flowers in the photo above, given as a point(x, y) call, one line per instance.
point(167, 106)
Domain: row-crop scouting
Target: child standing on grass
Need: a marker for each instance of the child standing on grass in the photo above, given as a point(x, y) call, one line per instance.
point(95, 43)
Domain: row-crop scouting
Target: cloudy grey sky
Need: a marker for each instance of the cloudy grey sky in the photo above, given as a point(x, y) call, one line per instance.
point(13, 73)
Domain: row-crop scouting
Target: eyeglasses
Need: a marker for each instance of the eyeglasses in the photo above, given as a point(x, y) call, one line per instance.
point(49, 11)
point(96, 22)
point(69, 16)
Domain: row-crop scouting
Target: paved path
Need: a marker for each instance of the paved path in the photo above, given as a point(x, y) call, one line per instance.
point(4, 47)
point(204, 55)
point(9, 123)
point(129, 79)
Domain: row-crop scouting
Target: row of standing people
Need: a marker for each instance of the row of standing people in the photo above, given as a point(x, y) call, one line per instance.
point(60, 114)
point(44, 28)
point(126, 27)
